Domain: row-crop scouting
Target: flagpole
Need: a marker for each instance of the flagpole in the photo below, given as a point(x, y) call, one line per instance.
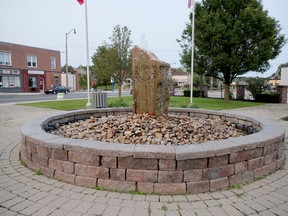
point(87, 57)
point(192, 54)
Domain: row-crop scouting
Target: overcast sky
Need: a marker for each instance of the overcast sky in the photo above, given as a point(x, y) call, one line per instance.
point(154, 24)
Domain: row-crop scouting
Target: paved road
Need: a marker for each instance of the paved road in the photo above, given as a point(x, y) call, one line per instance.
point(8, 98)
point(23, 193)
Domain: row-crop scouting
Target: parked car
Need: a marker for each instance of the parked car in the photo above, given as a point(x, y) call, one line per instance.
point(57, 89)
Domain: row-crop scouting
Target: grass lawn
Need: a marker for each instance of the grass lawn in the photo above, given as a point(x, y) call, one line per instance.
point(175, 101)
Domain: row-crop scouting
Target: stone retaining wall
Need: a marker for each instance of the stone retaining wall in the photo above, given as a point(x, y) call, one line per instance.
point(184, 169)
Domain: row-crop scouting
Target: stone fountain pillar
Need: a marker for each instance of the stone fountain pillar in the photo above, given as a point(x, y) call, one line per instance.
point(151, 82)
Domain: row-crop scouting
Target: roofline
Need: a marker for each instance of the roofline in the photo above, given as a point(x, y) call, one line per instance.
point(29, 46)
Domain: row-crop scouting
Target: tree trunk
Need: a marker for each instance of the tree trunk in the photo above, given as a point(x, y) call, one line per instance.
point(119, 90)
point(227, 92)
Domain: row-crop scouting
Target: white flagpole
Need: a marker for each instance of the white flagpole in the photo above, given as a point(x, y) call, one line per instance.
point(87, 57)
point(192, 54)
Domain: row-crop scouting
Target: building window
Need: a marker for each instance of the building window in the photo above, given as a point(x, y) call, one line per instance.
point(32, 82)
point(10, 81)
point(31, 61)
point(56, 80)
point(53, 63)
point(5, 58)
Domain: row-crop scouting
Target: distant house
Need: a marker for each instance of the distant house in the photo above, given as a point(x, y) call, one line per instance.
point(180, 78)
point(28, 69)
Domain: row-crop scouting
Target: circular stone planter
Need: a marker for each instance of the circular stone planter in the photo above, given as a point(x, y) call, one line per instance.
point(209, 166)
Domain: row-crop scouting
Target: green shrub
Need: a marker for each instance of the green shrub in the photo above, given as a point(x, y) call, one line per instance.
point(268, 97)
point(196, 93)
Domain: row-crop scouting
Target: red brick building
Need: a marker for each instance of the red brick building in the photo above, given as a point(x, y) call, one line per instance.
point(28, 69)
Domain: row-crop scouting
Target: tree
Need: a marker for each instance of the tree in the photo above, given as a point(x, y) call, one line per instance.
point(70, 69)
point(121, 44)
point(105, 63)
point(232, 38)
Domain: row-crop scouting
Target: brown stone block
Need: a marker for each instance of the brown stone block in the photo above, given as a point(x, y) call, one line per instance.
point(272, 167)
point(137, 163)
point(47, 172)
point(167, 164)
point(83, 158)
point(241, 178)
point(193, 175)
point(170, 176)
point(91, 171)
point(169, 188)
point(255, 163)
point(280, 162)
point(269, 148)
point(109, 162)
point(145, 187)
point(280, 152)
point(219, 184)
point(262, 171)
point(245, 155)
point(270, 158)
point(218, 172)
point(117, 174)
point(68, 167)
point(192, 164)
point(142, 175)
point(60, 154)
point(44, 151)
point(85, 181)
point(65, 177)
point(41, 161)
point(241, 167)
point(56, 164)
point(121, 186)
point(198, 187)
point(218, 161)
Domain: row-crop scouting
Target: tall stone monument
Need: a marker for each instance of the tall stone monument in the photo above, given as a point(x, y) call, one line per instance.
point(151, 81)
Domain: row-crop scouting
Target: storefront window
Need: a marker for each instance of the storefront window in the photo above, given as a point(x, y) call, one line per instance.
point(10, 81)
point(32, 81)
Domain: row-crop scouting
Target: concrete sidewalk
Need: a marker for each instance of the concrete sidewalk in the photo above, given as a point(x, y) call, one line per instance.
point(24, 193)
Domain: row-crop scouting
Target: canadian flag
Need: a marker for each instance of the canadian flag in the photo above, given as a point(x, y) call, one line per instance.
point(81, 2)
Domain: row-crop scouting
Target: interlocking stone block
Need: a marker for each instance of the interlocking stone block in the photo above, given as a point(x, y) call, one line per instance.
point(121, 186)
point(44, 151)
point(60, 154)
point(272, 167)
point(91, 171)
point(65, 177)
point(170, 176)
point(241, 178)
point(218, 172)
point(241, 167)
point(169, 188)
point(85, 181)
point(137, 163)
point(245, 155)
point(109, 162)
point(145, 187)
point(218, 161)
point(262, 171)
point(192, 164)
point(117, 174)
point(219, 184)
point(198, 187)
point(142, 175)
point(255, 163)
point(41, 161)
point(47, 171)
point(193, 175)
point(83, 158)
point(280, 162)
point(270, 158)
point(167, 164)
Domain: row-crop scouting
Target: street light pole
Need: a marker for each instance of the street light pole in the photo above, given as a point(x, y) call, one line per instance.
point(74, 30)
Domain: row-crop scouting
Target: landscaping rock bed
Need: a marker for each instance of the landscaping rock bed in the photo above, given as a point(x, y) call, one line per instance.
point(160, 169)
point(144, 129)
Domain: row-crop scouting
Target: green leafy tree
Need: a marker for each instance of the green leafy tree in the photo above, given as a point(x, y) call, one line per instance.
point(83, 81)
point(70, 69)
point(231, 38)
point(121, 44)
point(105, 64)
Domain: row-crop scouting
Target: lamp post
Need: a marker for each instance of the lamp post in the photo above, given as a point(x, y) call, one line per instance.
point(74, 30)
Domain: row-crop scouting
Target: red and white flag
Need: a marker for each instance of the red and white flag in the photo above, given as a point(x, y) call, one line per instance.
point(190, 3)
point(81, 2)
